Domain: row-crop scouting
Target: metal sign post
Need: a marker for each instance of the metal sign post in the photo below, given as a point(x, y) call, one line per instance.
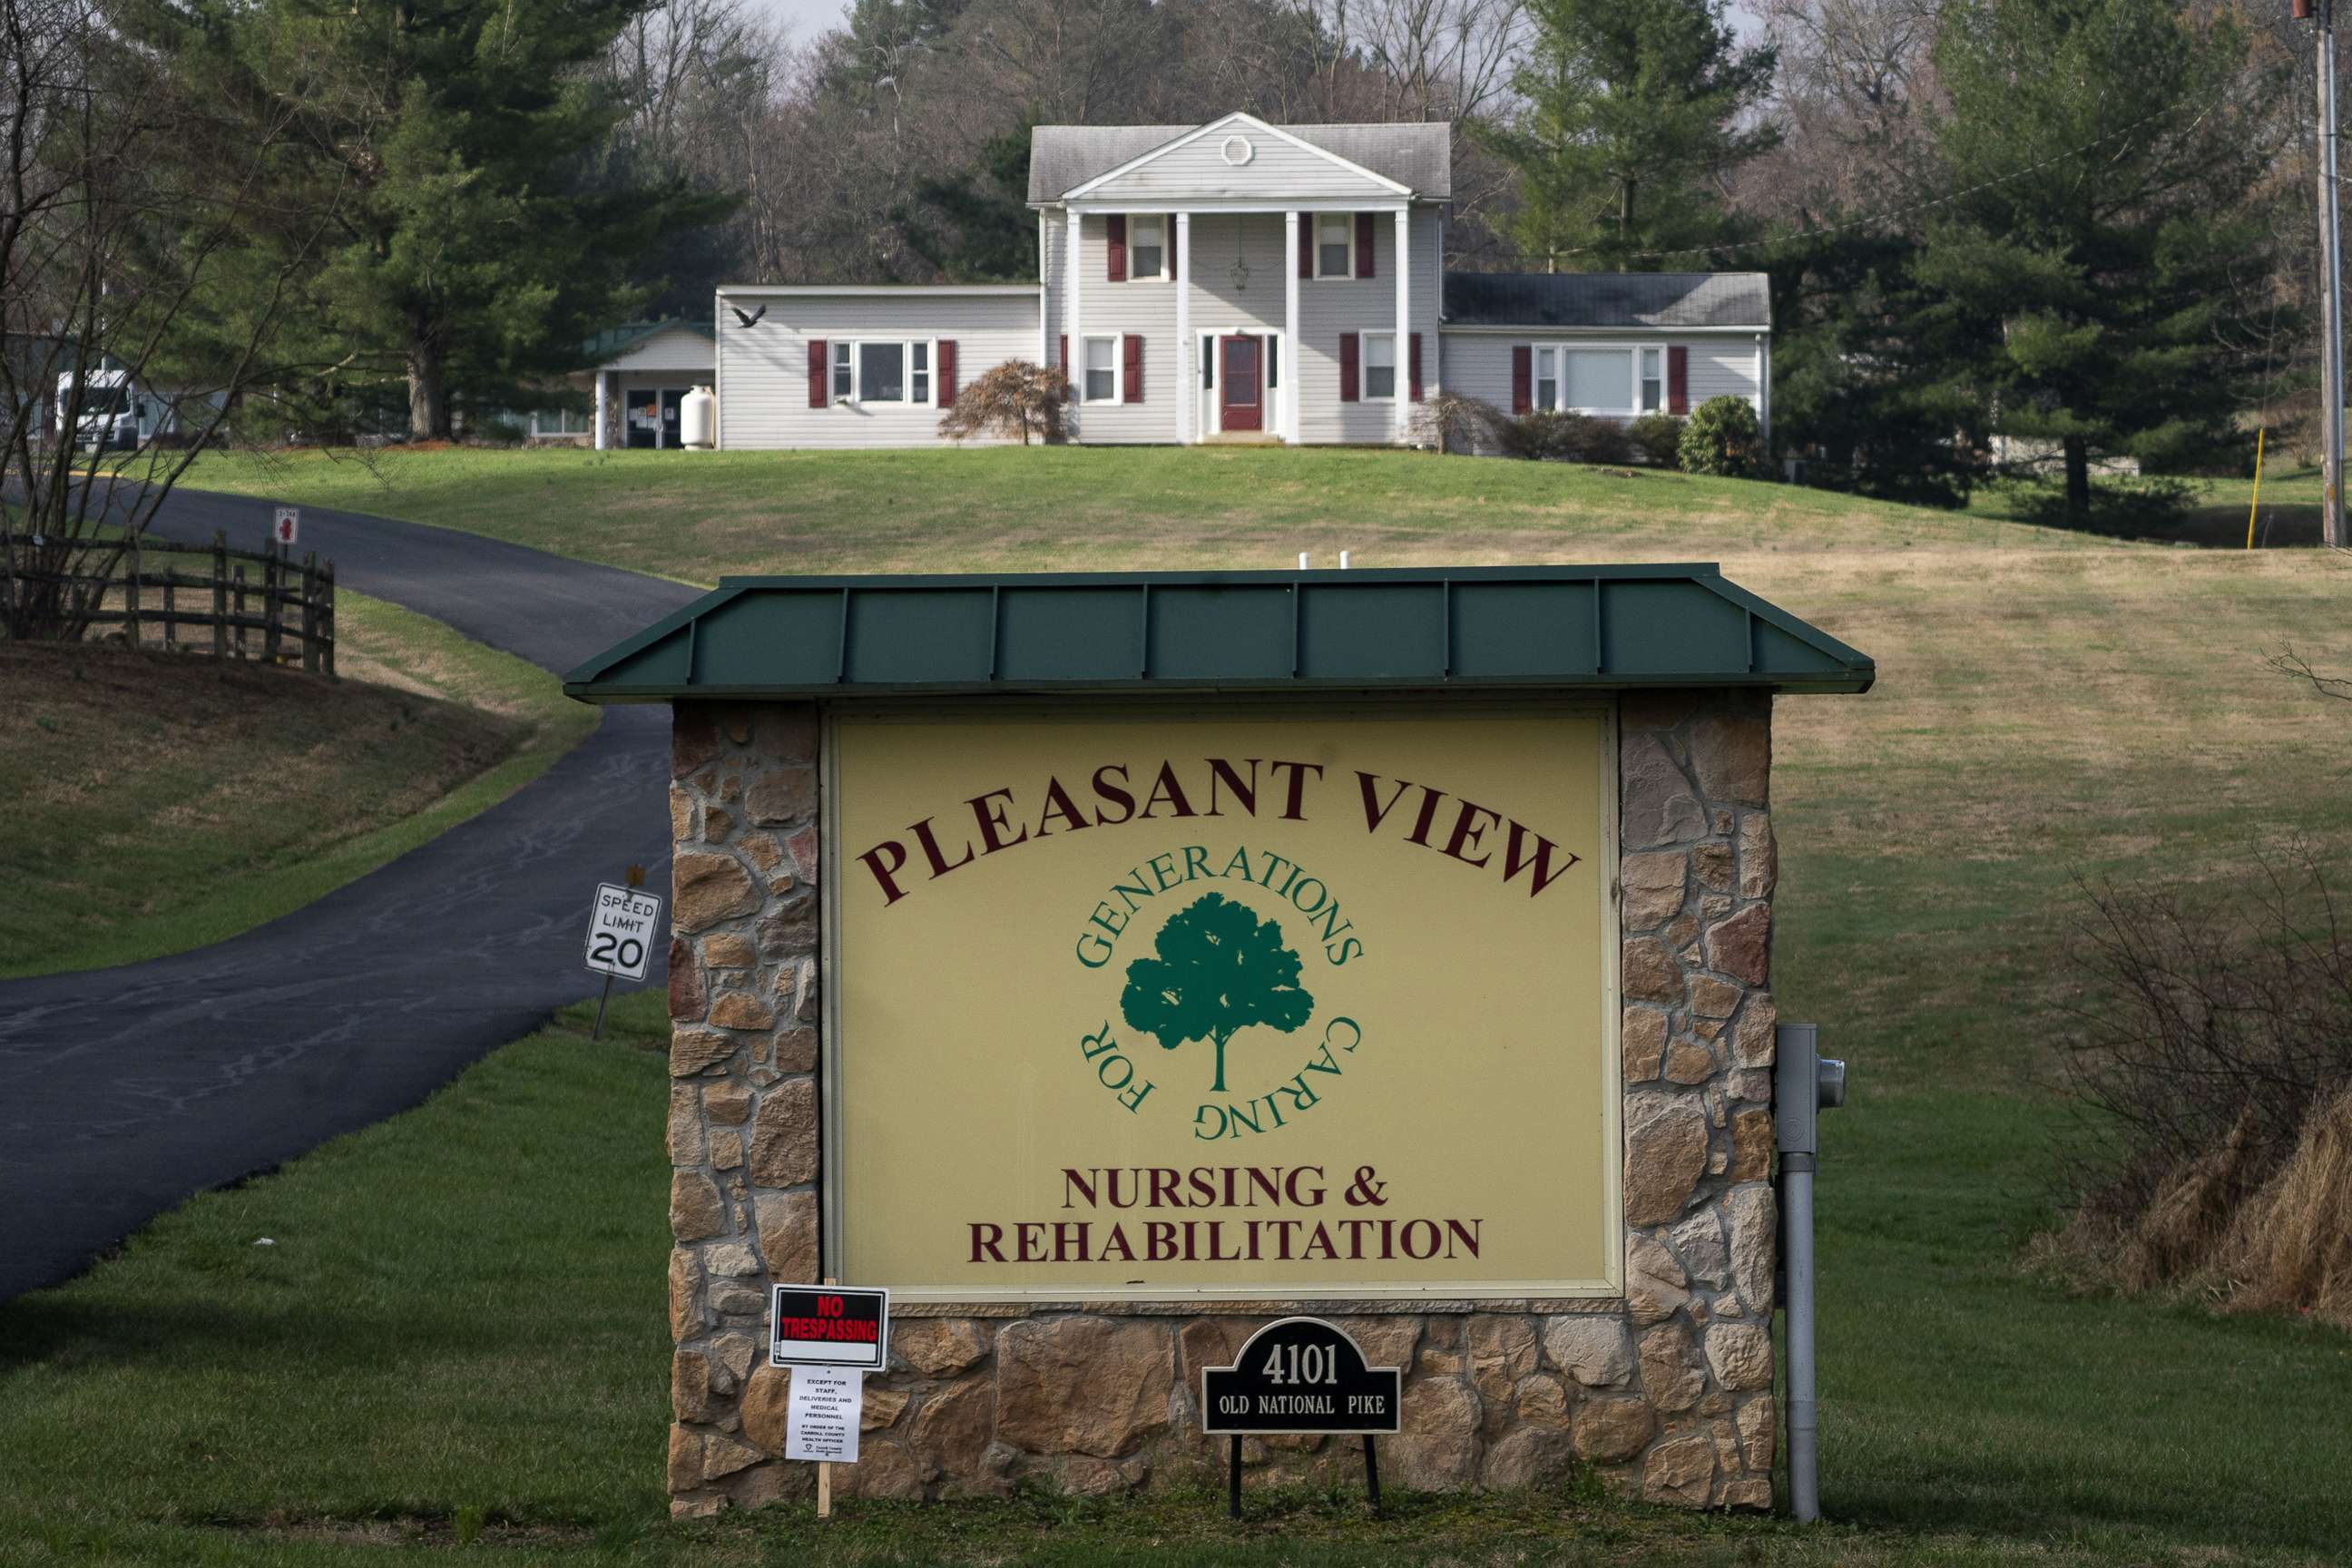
point(621, 936)
point(1804, 1084)
point(1304, 1376)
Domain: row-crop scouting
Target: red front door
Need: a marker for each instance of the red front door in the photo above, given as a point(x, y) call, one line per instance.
point(1243, 373)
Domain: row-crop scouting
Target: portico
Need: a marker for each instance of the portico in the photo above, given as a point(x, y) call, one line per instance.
point(1288, 289)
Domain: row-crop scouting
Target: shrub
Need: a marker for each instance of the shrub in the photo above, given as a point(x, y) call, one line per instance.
point(1594, 440)
point(1537, 434)
point(1449, 422)
point(1657, 439)
point(2216, 1056)
point(1016, 398)
point(1547, 435)
point(1722, 437)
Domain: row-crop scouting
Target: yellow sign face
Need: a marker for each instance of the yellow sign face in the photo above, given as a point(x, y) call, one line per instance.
point(1266, 1002)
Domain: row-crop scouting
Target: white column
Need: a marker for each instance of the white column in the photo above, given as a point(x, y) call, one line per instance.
point(1292, 356)
point(1070, 328)
point(1045, 295)
point(1404, 322)
point(600, 409)
point(1187, 393)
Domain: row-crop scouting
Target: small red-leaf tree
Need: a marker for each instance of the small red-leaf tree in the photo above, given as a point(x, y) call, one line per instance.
point(1016, 398)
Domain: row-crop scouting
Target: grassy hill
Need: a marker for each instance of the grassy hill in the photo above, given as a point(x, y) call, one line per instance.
point(157, 802)
point(2050, 706)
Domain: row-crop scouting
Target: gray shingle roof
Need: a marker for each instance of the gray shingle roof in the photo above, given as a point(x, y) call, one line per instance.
point(1608, 299)
point(1417, 156)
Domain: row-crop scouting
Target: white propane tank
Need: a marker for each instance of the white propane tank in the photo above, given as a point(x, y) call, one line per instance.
point(695, 419)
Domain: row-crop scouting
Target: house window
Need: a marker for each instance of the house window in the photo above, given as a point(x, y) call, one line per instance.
point(559, 422)
point(1597, 381)
point(1102, 370)
point(1380, 366)
point(1653, 380)
point(1335, 244)
point(1547, 378)
point(1147, 247)
point(881, 373)
point(883, 370)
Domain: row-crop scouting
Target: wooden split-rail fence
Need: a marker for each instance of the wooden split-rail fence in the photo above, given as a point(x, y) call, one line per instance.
point(239, 604)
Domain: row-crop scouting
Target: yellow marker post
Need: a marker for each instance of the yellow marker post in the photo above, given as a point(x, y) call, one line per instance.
point(2257, 502)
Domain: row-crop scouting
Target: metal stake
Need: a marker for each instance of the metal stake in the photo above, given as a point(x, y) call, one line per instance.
point(1234, 1482)
point(1373, 1474)
point(598, 1033)
point(2331, 264)
point(1797, 1223)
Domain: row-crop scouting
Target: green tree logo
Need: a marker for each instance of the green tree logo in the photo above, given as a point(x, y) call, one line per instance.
point(1220, 969)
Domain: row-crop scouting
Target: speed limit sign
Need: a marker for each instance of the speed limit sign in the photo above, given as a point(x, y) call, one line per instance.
point(621, 932)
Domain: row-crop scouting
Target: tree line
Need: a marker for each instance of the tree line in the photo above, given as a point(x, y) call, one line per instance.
point(2071, 229)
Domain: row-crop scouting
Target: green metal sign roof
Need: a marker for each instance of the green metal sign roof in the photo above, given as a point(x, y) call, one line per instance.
point(1498, 627)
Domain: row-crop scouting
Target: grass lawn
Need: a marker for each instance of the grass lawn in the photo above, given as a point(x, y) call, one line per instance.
point(158, 802)
point(2050, 706)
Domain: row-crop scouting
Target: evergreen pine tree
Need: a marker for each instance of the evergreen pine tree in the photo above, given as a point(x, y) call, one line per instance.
point(476, 244)
point(1632, 110)
point(2103, 233)
point(1856, 342)
point(975, 224)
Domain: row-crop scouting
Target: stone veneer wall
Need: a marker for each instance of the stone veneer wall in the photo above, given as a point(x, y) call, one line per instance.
point(1668, 1391)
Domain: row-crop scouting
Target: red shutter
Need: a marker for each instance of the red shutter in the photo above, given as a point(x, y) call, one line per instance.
point(1416, 367)
point(946, 387)
point(1306, 245)
point(1678, 381)
point(1363, 244)
point(820, 369)
point(1348, 381)
point(1523, 377)
point(1115, 251)
point(1132, 348)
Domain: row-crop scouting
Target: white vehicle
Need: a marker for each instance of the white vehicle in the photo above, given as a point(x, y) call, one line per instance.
point(116, 412)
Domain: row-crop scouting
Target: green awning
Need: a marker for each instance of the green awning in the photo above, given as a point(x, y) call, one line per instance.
point(1532, 628)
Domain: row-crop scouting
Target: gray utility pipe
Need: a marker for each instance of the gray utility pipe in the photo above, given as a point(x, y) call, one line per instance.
point(1803, 1086)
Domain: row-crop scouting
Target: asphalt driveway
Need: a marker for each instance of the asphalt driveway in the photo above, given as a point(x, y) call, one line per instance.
point(123, 1091)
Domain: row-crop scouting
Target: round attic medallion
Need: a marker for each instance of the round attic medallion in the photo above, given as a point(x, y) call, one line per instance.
point(1238, 151)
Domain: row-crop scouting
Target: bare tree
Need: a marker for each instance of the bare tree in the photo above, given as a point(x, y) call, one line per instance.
point(1855, 75)
point(127, 195)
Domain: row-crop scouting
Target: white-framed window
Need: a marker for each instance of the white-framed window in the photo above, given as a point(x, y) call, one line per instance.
point(559, 422)
point(884, 369)
point(1380, 367)
point(1101, 371)
point(1147, 249)
point(1335, 244)
point(1618, 379)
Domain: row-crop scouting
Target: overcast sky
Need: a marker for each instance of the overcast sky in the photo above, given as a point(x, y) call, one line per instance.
point(807, 18)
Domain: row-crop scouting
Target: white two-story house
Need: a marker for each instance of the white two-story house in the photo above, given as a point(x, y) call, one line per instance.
point(1230, 282)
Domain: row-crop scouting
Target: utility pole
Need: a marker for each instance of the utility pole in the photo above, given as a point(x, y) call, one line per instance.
point(2331, 355)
